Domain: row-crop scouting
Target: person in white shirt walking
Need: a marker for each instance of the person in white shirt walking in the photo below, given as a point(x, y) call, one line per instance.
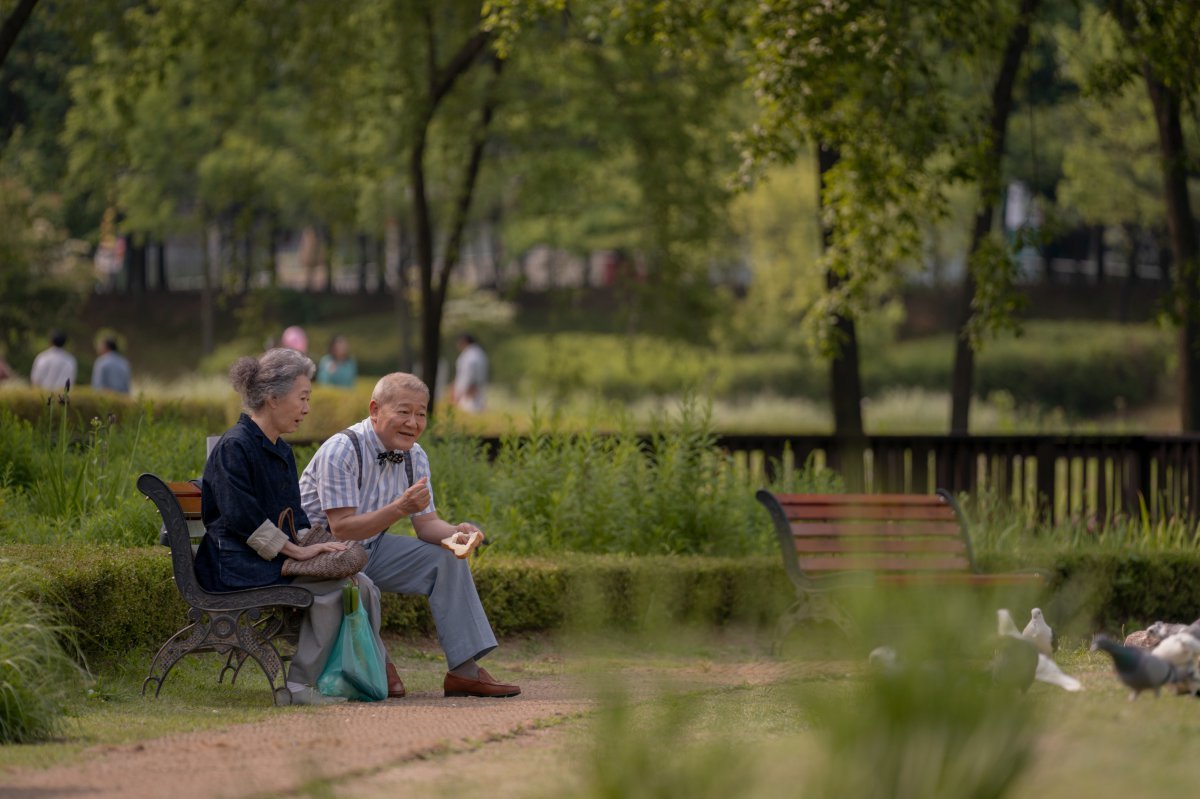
point(470, 375)
point(54, 367)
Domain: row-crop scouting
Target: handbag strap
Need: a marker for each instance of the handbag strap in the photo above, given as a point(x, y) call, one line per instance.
point(288, 517)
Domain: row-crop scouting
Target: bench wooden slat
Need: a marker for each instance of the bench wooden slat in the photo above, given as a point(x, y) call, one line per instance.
point(872, 512)
point(188, 497)
point(859, 546)
point(881, 564)
point(947, 529)
point(891, 500)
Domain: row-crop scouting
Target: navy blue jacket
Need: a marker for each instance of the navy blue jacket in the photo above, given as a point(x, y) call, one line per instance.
point(247, 481)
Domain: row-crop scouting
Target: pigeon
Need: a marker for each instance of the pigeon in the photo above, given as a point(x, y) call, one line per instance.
point(1137, 668)
point(1181, 650)
point(1163, 630)
point(1049, 672)
point(1142, 639)
point(1016, 658)
point(1039, 632)
point(884, 660)
point(1005, 624)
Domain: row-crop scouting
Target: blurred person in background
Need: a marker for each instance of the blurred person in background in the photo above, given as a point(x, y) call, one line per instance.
point(54, 367)
point(337, 368)
point(111, 370)
point(294, 338)
point(470, 375)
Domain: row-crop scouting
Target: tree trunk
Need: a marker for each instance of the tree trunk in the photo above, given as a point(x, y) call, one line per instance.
point(989, 191)
point(326, 248)
point(1184, 246)
point(212, 259)
point(381, 264)
point(12, 26)
point(845, 383)
point(433, 295)
point(363, 260)
point(273, 262)
point(135, 268)
point(161, 265)
point(402, 253)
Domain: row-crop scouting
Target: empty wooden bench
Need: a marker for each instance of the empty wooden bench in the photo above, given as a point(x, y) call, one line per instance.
point(831, 540)
point(240, 624)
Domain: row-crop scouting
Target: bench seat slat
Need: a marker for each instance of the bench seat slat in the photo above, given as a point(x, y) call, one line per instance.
point(869, 512)
point(902, 545)
point(917, 529)
point(890, 500)
point(882, 564)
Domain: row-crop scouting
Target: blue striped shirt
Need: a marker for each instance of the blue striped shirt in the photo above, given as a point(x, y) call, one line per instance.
point(331, 478)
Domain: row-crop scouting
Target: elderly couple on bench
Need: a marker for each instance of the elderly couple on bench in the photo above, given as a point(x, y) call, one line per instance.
point(358, 485)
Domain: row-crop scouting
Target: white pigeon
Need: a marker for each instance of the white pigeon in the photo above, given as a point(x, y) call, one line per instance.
point(1181, 650)
point(1049, 672)
point(1005, 624)
point(1039, 632)
point(884, 660)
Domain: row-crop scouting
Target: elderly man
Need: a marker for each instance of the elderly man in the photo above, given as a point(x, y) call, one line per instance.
point(370, 476)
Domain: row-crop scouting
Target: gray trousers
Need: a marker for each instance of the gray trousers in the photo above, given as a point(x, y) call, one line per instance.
point(403, 564)
point(321, 623)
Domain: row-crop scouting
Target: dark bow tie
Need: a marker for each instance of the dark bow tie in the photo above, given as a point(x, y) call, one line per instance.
point(395, 456)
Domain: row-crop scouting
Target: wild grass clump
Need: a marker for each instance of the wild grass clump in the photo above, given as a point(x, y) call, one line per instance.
point(61, 480)
point(38, 675)
point(1005, 533)
point(672, 491)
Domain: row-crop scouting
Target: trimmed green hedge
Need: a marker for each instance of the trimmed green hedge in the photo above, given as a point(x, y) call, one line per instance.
point(32, 404)
point(124, 598)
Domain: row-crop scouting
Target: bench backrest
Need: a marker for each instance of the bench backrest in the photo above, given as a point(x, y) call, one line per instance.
point(887, 533)
point(174, 509)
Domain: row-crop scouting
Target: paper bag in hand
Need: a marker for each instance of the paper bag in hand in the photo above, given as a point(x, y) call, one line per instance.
point(461, 548)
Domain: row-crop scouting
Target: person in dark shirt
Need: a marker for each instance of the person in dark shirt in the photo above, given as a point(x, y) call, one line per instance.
point(249, 480)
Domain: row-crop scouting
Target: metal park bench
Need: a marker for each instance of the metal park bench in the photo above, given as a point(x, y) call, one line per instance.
point(240, 624)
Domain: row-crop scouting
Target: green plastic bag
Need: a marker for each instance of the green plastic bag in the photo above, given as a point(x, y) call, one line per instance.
point(355, 668)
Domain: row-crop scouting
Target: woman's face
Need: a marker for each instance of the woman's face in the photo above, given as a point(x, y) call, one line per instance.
point(340, 349)
point(288, 411)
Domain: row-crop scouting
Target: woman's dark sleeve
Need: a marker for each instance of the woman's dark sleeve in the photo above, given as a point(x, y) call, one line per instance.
point(228, 476)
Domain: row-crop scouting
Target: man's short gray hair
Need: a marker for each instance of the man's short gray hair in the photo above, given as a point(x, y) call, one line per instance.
point(389, 387)
point(270, 375)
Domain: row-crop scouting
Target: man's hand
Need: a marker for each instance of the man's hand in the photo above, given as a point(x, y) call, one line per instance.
point(415, 498)
point(465, 540)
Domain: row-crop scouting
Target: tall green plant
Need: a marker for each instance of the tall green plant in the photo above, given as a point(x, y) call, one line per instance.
point(38, 675)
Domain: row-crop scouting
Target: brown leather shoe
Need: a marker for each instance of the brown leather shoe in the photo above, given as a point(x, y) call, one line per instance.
point(395, 686)
point(484, 686)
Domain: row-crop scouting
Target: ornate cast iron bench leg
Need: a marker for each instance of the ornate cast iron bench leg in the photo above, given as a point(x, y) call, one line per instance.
point(189, 639)
point(233, 631)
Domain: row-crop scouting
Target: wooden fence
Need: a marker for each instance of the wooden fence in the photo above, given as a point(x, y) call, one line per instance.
point(1091, 476)
point(1084, 476)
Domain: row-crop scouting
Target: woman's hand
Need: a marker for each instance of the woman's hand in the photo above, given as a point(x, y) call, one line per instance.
point(311, 551)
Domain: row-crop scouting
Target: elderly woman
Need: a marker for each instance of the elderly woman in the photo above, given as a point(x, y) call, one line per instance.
point(249, 480)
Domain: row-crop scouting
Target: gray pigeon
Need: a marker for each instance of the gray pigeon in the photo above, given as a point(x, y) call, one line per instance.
point(1135, 667)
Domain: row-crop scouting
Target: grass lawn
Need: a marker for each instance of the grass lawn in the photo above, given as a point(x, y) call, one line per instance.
point(700, 714)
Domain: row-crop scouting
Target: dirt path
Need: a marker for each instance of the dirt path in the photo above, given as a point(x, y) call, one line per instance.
point(363, 749)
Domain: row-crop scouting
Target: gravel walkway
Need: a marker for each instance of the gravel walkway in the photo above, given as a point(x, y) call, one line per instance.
point(363, 749)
